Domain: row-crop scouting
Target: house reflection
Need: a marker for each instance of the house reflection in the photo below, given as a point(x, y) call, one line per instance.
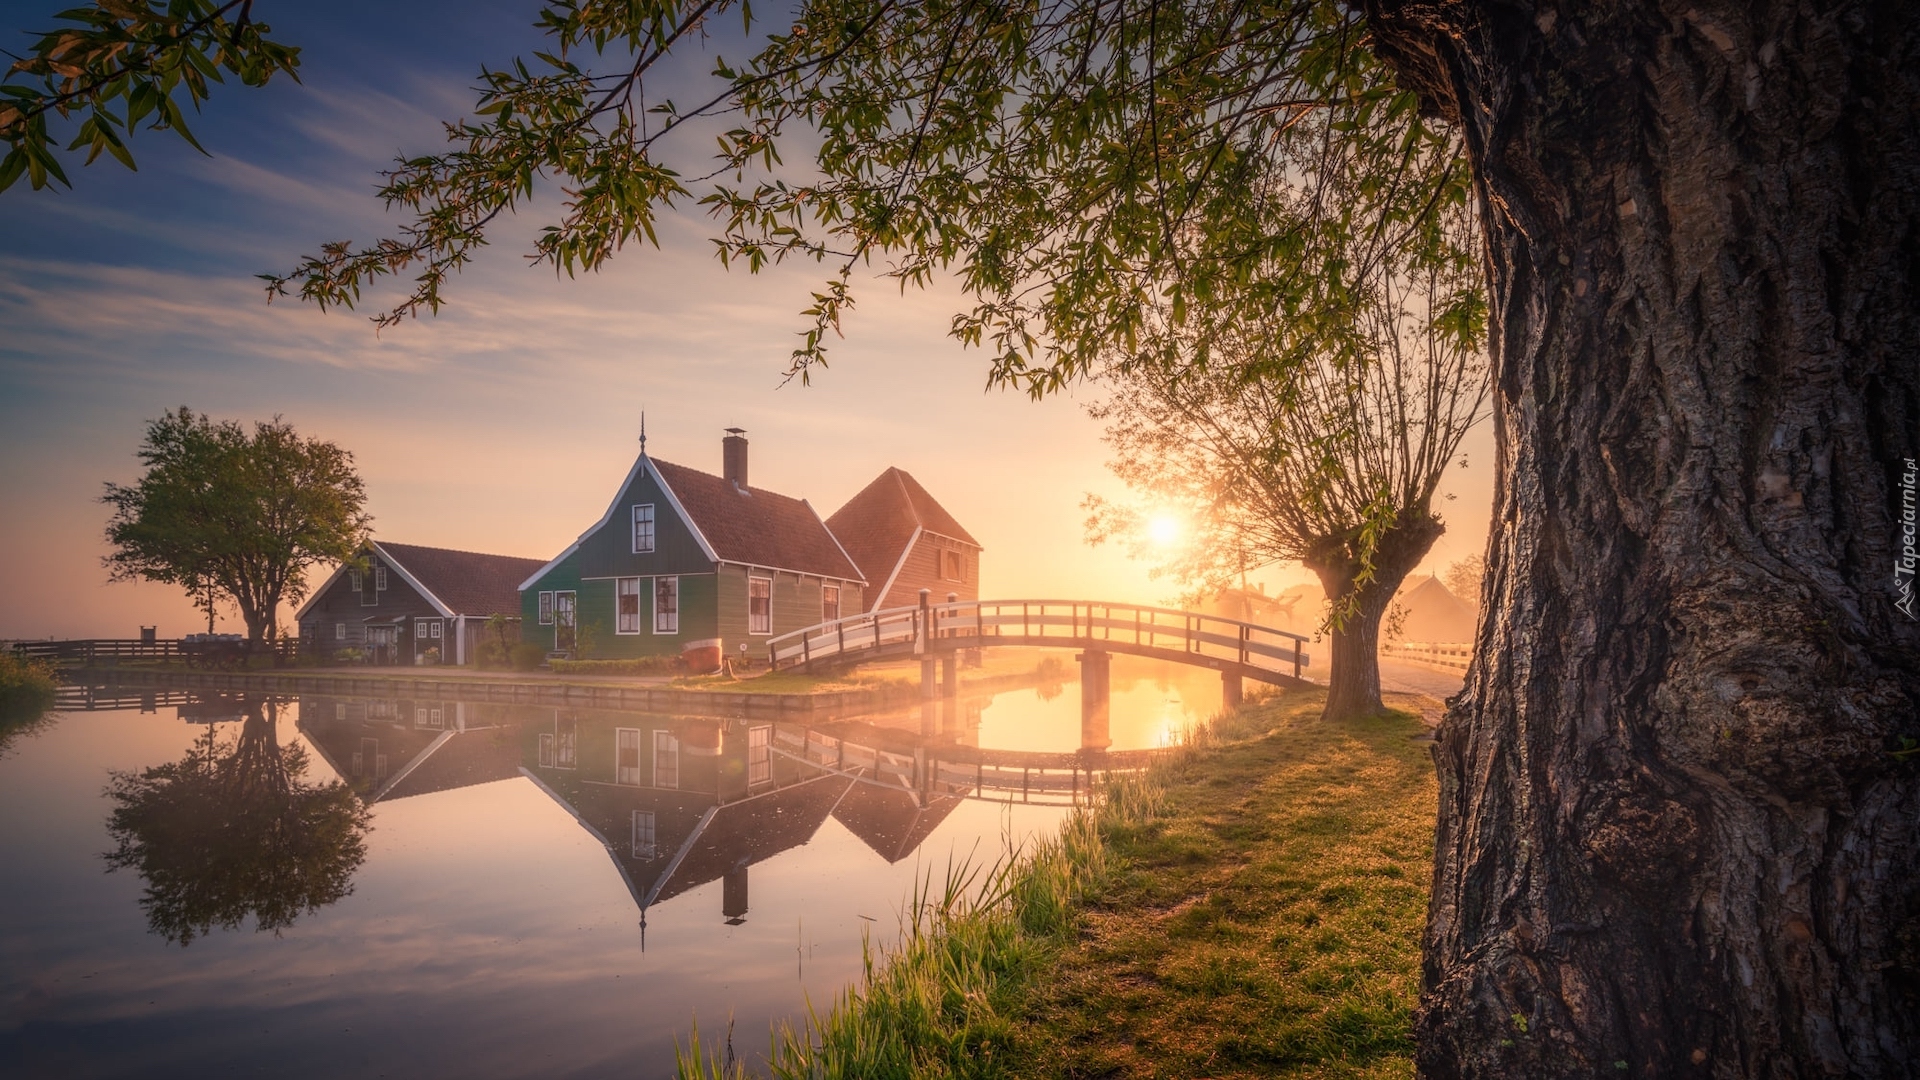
point(678, 802)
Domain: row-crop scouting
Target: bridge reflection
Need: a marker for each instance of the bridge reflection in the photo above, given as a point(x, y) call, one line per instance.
point(680, 802)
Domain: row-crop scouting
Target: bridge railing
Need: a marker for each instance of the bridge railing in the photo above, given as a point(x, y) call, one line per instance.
point(1068, 623)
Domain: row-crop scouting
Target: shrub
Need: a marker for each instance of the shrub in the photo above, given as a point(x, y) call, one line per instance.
point(492, 654)
point(528, 657)
point(26, 685)
point(640, 665)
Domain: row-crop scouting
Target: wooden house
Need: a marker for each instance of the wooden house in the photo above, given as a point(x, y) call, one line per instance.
point(683, 558)
point(903, 540)
point(408, 604)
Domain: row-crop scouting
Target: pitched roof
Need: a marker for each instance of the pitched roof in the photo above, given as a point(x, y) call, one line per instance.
point(755, 526)
point(876, 525)
point(466, 582)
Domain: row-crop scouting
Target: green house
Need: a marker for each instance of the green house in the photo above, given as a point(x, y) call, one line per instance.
point(684, 559)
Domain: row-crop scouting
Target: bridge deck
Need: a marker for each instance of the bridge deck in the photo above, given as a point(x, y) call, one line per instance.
point(1257, 652)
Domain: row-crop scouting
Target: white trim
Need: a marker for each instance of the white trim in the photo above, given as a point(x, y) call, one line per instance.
point(751, 632)
point(314, 598)
point(639, 463)
point(857, 568)
point(654, 607)
point(897, 567)
point(414, 581)
point(407, 769)
point(636, 579)
point(633, 529)
point(953, 539)
point(785, 570)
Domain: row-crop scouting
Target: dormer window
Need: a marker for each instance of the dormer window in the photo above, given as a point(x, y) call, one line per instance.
point(642, 528)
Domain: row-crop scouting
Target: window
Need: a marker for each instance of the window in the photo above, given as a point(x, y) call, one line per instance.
point(643, 842)
point(433, 631)
point(759, 605)
point(420, 629)
point(339, 631)
point(626, 755)
point(666, 760)
point(546, 750)
point(339, 710)
point(626, 605)
point(829, 603)
point(950, 566)
point(353, 578)
point(666, 605)
point(759, 754)
point(569, 744)
point(436, 718)
point(419, 716)
point(642, 528)
point(546, 609)
point(380, 577)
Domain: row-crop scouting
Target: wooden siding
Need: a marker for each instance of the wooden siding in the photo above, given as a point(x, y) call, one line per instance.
point(597, 606)
point(922, 571)
point(796, 604)
point(608, 551)
point(339, 604)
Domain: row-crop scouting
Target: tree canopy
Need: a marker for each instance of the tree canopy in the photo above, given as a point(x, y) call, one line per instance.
point(227, 514)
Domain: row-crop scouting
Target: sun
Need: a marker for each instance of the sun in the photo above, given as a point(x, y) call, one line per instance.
point(1164, 530)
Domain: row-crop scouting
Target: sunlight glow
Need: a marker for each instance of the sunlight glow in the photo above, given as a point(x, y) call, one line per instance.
point(1164, 530)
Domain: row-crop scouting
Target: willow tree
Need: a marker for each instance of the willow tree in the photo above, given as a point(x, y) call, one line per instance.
point(1332, 460)
point(1679, 829)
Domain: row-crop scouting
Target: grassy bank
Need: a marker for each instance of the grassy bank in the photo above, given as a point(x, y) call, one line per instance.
point(1253, 907)
point(26, 685)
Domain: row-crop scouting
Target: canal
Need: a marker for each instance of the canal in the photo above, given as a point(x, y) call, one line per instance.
point(331, 886)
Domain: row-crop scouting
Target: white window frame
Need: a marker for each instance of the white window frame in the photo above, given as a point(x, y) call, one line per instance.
point(420, 629)
point(620, 774)
point(824, 590)
point(666, 621)
point(959, 560)
point(379, 577)
point(646, 843)
point(546, 609)
point(339, 631)
point(643, 514)
point(567, 738)
point(759, 754)
point(546, 741)
point(621, 587)
point(666, 760)
point(354, 580)
point(767, 628)
point(433, 630)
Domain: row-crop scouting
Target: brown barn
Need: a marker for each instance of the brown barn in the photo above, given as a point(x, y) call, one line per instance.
point(903, 540)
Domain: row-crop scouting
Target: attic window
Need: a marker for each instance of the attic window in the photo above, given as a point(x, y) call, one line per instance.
point(951, 566)
point(642, 528)
point(379, 577)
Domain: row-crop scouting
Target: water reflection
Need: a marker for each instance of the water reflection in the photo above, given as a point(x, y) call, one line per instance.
point(233, 831)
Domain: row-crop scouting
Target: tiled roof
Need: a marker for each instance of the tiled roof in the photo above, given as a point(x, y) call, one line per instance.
point(757, 526)
point(889, 820)
point(467, 582)
point(474, 756)
point(876, 525)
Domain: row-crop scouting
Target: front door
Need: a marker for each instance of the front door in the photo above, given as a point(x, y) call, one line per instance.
point(381, 642)
point(564, 609)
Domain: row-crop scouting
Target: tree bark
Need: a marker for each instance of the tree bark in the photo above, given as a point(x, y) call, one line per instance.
point(1676, 836)
point(1353, 677)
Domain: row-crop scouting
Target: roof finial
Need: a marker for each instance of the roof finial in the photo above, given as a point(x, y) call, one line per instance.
point(643, 432)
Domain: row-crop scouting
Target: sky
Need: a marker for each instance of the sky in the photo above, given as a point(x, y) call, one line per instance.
point(505, 423)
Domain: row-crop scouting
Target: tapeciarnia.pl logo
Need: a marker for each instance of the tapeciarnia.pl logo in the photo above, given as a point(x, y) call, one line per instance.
point(1903, 564)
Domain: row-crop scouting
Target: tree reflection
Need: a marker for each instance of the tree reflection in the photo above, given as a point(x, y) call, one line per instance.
point(231, 830)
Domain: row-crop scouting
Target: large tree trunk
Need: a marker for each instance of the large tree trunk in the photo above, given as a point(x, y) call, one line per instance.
point(1675, 838)
point(1353, 677)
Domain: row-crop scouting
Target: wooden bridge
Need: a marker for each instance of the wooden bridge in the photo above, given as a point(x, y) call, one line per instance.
point(937, 633)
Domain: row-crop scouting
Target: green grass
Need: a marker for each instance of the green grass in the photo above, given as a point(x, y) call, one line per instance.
point(786, 682)
point(1251, 908)
point(26, 694)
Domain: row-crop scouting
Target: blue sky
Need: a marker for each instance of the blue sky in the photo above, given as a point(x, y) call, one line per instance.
point(503, 424)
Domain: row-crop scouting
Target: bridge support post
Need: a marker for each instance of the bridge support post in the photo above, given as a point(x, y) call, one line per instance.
point(1230, 689)
point(950, 675)
point(928, 689)
point(1095, 699)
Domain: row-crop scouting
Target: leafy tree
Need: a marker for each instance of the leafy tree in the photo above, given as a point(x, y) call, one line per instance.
point(115, 64)
point(1463, 578)
point(1332, 461)
point(1674, 777)
point(231, 832)
point(228, 514)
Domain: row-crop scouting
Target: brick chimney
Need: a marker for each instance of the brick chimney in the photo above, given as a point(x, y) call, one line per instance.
point(733, 457)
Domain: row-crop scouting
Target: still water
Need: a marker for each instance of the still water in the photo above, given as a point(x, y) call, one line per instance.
point(335, 887)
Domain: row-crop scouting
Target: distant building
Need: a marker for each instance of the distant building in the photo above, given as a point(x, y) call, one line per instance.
point(683, 557)
point(1431, 613)
point(408, 604)
point(903, 540)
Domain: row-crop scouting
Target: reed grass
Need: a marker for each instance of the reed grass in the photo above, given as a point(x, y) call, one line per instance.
point(1250, 907)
